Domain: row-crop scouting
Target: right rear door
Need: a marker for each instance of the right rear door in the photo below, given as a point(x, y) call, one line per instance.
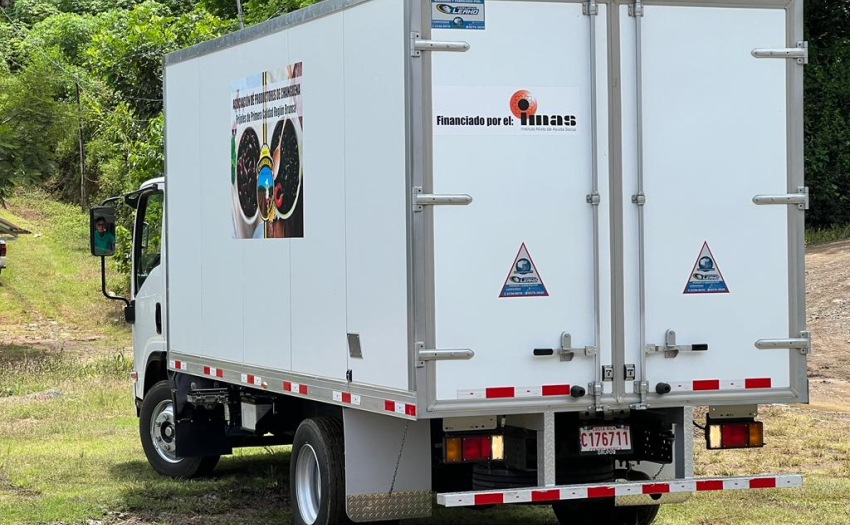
point(707, 127)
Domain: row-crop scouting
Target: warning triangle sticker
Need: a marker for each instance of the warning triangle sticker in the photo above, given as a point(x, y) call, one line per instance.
point(523, 279)
point(705, 276)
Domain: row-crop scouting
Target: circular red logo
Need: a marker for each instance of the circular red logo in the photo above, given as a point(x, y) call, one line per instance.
point(523, 102)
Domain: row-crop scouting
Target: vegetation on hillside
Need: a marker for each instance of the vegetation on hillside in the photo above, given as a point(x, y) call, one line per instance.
point(109, 53)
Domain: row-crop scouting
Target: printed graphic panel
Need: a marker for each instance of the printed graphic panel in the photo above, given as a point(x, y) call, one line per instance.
point(457, 14)
point(266, 152)
point(705, 276)
point(523, 279)
point(506, 110)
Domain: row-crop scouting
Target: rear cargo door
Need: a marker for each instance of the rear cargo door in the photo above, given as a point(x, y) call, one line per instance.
point(713, 233)
point(514, 271)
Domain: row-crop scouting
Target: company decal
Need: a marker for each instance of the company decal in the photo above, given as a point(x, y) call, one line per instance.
point(705, 276)
point(513, 110)
point(457, 14)
point(266, 155)
point(523, 279)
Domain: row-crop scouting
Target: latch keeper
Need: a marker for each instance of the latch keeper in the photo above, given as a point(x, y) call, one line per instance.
point(671, 349)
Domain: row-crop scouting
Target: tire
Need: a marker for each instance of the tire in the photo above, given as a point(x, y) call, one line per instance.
point(158, 404)
point(317, 473)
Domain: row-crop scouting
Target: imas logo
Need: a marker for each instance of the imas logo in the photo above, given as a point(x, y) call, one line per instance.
point(458, 10)
point(524, 107)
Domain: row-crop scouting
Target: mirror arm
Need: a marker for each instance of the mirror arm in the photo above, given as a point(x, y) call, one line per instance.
point(103, 284)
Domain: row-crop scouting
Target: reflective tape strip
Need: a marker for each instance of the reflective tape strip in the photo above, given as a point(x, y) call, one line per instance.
point(405, 409)
point(541, 494)
point(295, 388)
point(251, 379)
point(706, 385)
point(212, 371)
point(178, 365)
point(346, 397)
point(500, 392)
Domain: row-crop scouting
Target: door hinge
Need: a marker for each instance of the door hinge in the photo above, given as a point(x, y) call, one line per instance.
point(800, 53)
point(590, 8)
point(636, 9)
point(802, 343)
point(423, 354)
point(417, 45)
point(420, 199)
point(801, 198)
point(671, 349)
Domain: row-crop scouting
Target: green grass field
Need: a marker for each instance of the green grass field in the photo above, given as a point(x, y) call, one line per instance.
point(70, 453)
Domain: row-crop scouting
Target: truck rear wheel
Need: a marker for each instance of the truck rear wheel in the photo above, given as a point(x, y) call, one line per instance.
point(317, 473)
point(157, 432)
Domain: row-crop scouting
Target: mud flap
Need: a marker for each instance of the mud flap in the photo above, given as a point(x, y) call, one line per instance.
point(200, 432)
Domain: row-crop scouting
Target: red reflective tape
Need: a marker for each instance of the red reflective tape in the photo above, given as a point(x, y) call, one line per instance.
point(409, 409)
point(346, 397)
point(389, 406)
point(219, 372)
point(757, 382)
point(489, 499)
point(711, 484)
point(600, 492)
point(656, 488)
point(502, 391)
point(545, 495)
point(763, 483)
point(707, 384)
point(302, 389)
point(250, 378)
point(287, 386)
point(556, 390)
point(207, 370)
point(176, 364)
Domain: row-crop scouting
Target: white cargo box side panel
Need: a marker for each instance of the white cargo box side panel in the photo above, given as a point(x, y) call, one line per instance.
point(185, 292)
point(318, 260)
point(376, 190)
point(283, 304)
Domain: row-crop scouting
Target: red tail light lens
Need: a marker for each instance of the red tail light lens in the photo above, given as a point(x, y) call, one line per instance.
point(3, 250)
point(735, 435)
point(476, 448)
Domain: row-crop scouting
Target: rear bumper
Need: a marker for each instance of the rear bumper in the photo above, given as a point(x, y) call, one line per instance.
point(611, 490)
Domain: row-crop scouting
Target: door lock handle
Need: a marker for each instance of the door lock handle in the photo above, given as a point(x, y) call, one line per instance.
point(158, 318)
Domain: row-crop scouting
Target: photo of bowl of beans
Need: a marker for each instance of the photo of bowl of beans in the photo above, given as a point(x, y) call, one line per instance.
point(287, 154)
point(245, 184)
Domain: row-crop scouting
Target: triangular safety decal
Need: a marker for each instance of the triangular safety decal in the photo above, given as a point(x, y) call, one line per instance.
point(705, 276)
point(523, 279)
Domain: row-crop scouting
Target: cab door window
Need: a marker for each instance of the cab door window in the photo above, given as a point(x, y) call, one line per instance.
point(147, 242)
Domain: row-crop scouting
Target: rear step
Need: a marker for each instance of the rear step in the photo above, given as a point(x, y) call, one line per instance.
point(610, 490)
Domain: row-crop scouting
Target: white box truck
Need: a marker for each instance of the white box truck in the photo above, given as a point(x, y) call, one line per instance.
point(478, 252)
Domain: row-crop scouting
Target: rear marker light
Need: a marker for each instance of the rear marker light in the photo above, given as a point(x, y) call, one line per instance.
point(453, 453)
point(735, 435)
point(498, 448)
point(476, 448)
point(2, 250)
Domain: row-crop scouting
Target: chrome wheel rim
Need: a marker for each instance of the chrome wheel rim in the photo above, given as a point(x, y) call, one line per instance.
point(308, 484)
point(163, 432)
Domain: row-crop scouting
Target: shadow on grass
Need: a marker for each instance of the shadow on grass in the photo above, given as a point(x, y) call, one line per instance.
point(250, 485)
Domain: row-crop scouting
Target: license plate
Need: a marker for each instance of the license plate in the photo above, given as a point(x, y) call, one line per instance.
point(605, 439)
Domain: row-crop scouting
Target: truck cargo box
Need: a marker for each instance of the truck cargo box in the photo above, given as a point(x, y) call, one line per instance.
point(373, 206)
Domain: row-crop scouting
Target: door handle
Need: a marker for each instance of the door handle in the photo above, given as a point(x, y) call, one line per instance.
point(158, 318)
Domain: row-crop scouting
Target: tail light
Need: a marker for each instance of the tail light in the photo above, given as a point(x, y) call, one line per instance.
point(748, 434)
point(474, 448)
point(3, 250)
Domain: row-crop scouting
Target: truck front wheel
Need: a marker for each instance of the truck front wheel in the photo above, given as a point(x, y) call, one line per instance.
point(157, 432)
point(317, 473)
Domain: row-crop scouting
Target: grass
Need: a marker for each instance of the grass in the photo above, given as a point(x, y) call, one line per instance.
point(827, 235)
point(70, 452)
point(51, 282)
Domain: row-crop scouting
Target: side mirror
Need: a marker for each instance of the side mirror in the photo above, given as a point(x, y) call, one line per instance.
point(102, 231)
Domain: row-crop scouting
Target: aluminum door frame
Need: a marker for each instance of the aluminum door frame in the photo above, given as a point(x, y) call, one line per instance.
point(798, 389)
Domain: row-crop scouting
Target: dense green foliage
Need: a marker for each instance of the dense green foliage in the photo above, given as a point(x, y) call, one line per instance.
point(112, 50)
